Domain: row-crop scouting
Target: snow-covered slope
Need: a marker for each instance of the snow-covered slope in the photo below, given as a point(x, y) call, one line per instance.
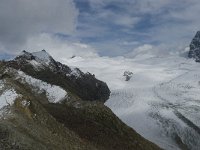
point(54, 93)
point(161, 101)
point(7, 98)
point(42, 56)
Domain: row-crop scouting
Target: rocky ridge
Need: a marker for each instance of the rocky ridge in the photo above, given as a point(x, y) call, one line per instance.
point(42, 66)
point(39, 110)
point(194, 51)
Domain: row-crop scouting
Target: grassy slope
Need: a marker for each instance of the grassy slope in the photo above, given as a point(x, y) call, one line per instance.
point(33, 128)
point(96, 123)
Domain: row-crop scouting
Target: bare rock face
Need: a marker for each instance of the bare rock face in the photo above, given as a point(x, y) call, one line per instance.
point(195, 48)
point(128, 75)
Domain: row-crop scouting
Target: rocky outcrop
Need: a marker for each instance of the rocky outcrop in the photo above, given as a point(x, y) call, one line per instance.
point(128, 75)
point(195, 48)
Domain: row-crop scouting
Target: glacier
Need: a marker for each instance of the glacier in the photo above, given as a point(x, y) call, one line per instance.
point(162, 99)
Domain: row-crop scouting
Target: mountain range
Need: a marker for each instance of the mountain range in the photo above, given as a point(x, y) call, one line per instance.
point(46, 105)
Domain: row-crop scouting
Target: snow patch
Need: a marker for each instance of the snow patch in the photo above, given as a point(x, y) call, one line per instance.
point(54, 93)
point(74, 72)
point(35, 64)
point(7, 98)
point(25, 103)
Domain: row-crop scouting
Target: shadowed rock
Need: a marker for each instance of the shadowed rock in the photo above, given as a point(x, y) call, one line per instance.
point(195, 48)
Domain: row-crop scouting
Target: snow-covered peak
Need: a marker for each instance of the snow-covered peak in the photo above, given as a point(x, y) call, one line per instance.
point(42, 56)
point(42, 59)
point(24, 54)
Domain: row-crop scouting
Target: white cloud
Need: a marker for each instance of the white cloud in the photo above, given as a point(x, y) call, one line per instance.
point(168, 23)
point(60, 49)
point(21, 19)
point(106, 24)
point(147, 51)
point(126, 21)
point(127, 43)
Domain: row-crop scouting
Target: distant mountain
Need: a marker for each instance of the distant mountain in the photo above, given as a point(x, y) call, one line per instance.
point(46, 105)
point(195, 48)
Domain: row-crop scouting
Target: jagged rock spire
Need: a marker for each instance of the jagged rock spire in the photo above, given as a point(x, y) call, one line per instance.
point(195, 48)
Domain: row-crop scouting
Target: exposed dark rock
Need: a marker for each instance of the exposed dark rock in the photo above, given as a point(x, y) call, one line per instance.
point(128, 75)
point(73, 56)
point(195, 48)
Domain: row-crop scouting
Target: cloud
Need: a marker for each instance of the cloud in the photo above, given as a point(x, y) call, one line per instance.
point(147, 51)
point(129, 43)
point(111, 27)
point(126, 21)
point(22, 19)
point(144, 51)
point(176, 28)
point(169, 25)
point(59, 48)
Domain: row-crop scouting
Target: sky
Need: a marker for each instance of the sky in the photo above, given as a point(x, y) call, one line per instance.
point(96, 27)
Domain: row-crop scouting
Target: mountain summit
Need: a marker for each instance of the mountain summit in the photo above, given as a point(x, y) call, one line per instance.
point(195, 48)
